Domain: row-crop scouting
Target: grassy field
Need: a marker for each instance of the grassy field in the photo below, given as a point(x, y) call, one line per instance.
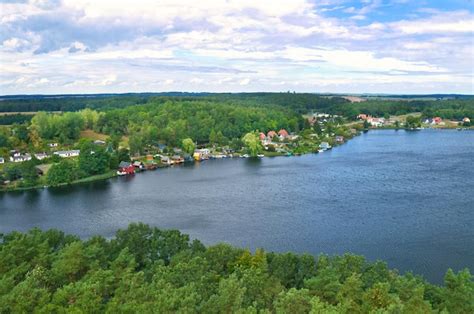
point(90, 134)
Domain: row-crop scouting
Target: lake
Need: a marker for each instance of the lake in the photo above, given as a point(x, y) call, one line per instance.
point(403, 197)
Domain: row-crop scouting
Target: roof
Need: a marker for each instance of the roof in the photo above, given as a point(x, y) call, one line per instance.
point(271, 134)
point(283, 132)
point(77, 151)
point(124, 164)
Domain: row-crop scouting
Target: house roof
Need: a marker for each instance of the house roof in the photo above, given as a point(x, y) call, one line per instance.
point(271, 134)
point(124, 164)
point(283, 132)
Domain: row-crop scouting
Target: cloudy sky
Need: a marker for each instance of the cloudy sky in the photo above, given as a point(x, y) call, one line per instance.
point(375, 46)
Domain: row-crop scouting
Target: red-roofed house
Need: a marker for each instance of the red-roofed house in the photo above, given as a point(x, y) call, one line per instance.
point(283, 133)
point(261, 136)
point(437, 120)
point(271, 134)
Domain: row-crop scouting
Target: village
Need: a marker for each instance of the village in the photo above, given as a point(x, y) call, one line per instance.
point(322, 133)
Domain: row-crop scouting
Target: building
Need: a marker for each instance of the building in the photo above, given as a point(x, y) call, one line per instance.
point(165, 160)
point(261, 136)
point(339, 139)
point(201, 154)
point(99, 142)
point(176, 159)
point(376, 122)
point(20, 158)
point(125, 168)
point(53, 144)
point(271, 134)
point(436, 120)
point(324, 146)
point(282, 134)
point(466, 120)
point(68, 153)
point(362, 116)
point(2, 160)
point(41, 156)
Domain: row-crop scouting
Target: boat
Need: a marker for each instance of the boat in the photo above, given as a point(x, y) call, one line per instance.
point(245, 156)
point(320, 150)
point(260, 155)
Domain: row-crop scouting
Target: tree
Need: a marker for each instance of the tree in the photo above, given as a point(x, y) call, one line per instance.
point(252, 143)
point(65, 171)
point(93, 159)
point(188, 146)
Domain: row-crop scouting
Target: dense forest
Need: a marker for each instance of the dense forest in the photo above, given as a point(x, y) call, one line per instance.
point(300, 103)
point(144, 270)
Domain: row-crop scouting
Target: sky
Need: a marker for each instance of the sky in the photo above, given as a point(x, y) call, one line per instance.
point(325, 46)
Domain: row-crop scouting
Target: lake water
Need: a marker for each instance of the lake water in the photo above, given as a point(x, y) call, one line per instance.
point(404, 197)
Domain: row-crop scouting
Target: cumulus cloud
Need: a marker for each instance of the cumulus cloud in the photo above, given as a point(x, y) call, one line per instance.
point(55, 46)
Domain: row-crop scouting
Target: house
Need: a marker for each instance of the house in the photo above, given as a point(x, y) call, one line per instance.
point(436, 120)
point(53, 144)
point(201, 154)
point(466, 120)
point(271, 134)
point(339, 139)
point(261, 136)
point(20, 158)
point(312, 121)
point(99, 142)
point(376, 122)
point(42, 170)
point(176, 159)
point(2, 160)
point(362, 116)
point(165, 160)
point(125, 168)
point(68, 153)
point(41, 156)
point(149, 157)
point(15, 153)
point(138, 165)
point(177, 150)
point(282, 134)
point(324, 146)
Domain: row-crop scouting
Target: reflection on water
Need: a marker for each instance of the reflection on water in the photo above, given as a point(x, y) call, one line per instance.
point(404, 197)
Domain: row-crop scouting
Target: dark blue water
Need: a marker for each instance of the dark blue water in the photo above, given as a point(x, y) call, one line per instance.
point(404, 197)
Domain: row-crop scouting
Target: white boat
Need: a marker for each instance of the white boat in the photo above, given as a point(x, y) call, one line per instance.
point(320, 150)
point(245, 156)
point(260, 155)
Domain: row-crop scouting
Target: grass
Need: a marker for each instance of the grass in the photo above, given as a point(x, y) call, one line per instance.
point(104, 176)
point(90, 134)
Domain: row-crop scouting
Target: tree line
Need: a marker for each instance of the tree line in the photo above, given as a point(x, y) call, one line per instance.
point(144, 269)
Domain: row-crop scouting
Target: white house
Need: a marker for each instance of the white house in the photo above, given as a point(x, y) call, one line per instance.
point(68, 153)
point(20, 158)
point(2, 160)
point(53, 144)
point(41, 156)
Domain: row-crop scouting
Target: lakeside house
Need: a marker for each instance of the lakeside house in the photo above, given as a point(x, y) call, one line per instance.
point(362, 116)
point(165, 160)
point(201, 154)
point(42, 170)
point(176, 159)
point(262, 136)
point(53, 145)
point(138, 165)
point(466, 120)
point(324, 146)
point(68, 153)
point(339, 139)
point(41, 156)
point(2, 160)
point(125, 168)
point(376, 122)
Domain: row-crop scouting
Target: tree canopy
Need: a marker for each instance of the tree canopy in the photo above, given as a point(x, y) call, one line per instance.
point(145, 269)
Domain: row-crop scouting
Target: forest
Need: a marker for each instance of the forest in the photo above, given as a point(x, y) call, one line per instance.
point(147, 270)
point(455, 107)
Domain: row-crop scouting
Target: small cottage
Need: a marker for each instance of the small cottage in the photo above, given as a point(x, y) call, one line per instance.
point(68, 153)
point(125, 168)
point(41, 156)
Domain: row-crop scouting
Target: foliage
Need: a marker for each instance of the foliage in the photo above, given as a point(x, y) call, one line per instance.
point(252, 143)
point(93, 159)
point(144, 269)
point(66, 171)
point(188, 146)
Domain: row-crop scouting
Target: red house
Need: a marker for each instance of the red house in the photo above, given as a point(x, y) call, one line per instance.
point(261, 136)
point(125, 168)
point(271, 134)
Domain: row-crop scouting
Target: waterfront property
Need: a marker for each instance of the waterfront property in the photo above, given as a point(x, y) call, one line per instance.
point(125, 168)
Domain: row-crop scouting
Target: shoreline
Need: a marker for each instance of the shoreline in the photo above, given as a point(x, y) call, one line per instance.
point(113, 173)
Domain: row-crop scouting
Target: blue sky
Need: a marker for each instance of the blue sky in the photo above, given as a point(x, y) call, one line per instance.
point(368, 46)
